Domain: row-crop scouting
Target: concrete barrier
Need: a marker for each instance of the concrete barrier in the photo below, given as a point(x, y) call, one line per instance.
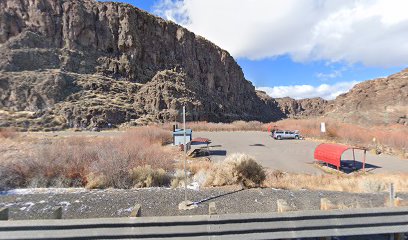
point(137, 211)
point(326, 204)
point(57, 213)
point(212, 209)
point(287, 225)
point(283, 206)
point(4, 214)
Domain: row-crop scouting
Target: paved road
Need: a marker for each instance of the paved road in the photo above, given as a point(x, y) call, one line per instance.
point(290, 155)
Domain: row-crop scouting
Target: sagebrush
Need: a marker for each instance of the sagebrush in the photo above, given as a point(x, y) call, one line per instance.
point(236, 169)
point(93, 162)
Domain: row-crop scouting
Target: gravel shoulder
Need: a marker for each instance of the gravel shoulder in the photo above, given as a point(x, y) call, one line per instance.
point(164, 202)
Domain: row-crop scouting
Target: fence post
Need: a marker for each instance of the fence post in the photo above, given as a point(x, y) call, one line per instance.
point(4, 214)
point(212, 209)
point(392, 194)
point(283, 206)
point(326, 204)
point(137, 211)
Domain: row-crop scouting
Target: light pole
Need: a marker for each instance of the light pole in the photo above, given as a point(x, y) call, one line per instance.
point(186, 204)
point(185, 154)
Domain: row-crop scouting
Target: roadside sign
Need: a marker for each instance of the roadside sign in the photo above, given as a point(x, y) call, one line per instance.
point(323, 127)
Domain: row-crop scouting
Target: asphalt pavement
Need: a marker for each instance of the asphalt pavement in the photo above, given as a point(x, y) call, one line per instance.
point(295, 156)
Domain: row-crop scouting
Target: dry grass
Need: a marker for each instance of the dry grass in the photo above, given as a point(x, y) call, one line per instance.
point(369, 183)
point(8, 133)
point(146, 176)
point(93, 162)
point(216, 127)
point(389, 139)
point(236, 168)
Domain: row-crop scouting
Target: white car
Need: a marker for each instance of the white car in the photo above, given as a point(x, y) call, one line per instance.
point(285, 134)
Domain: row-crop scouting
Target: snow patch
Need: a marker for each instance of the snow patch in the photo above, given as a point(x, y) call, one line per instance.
point(194, 186)
point(27, 206)
point(25, 191)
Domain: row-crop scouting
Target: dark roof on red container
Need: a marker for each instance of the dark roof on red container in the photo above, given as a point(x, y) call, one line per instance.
point(330, 153)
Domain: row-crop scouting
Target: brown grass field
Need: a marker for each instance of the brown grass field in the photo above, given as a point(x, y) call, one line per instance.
point(140, 157)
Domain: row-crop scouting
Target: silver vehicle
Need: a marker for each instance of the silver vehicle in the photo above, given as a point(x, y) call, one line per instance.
point(285, 134)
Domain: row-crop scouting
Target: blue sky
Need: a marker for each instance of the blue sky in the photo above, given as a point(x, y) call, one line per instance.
point(308, 48)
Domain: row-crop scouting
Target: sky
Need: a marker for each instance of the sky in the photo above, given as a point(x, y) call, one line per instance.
point(299, 48)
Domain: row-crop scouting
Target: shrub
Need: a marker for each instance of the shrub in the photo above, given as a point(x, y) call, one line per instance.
point(10, 177)
point(95, 181)
point(146, 176)
point(237, 168)
point(372, 185)
point(249, 172)
point(149, 134)
point(178, 179)
point(93, 162)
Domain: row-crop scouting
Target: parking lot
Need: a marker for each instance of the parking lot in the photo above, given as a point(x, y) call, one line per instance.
point(289, 155)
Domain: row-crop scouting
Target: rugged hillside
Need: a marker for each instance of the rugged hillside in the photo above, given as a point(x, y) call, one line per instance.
point(303, 108)
point(378, 101)
point(70, 63)
point(373, 102)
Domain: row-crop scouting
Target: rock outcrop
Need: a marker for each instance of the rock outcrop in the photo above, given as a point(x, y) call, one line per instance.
point(82, 63)
point(378, 101)
point(375, 102)
point(303, 108)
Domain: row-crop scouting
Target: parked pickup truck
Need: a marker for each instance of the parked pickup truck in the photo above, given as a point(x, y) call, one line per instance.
point(285, 134)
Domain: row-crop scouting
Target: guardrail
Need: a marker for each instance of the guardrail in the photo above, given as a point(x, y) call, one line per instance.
point(297, 224)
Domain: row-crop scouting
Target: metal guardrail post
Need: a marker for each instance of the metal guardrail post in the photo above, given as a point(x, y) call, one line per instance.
point(4, 214)
point(392, 194)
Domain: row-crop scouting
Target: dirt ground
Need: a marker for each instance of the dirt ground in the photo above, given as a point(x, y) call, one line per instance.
point(295, 156)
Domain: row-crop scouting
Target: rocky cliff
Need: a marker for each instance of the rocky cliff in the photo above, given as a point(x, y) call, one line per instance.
point(82, 63)
point(303, 108)
point(378, 101)
point(374, 102)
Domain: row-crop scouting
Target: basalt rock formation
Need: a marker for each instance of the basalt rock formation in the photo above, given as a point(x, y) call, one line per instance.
point(82, 63)
point(378, 101)
point(303, 108)
point(375, 102)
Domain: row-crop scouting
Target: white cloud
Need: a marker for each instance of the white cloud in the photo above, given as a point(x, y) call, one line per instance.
point(373, 32)
point(307, 91)
point(335, 73)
